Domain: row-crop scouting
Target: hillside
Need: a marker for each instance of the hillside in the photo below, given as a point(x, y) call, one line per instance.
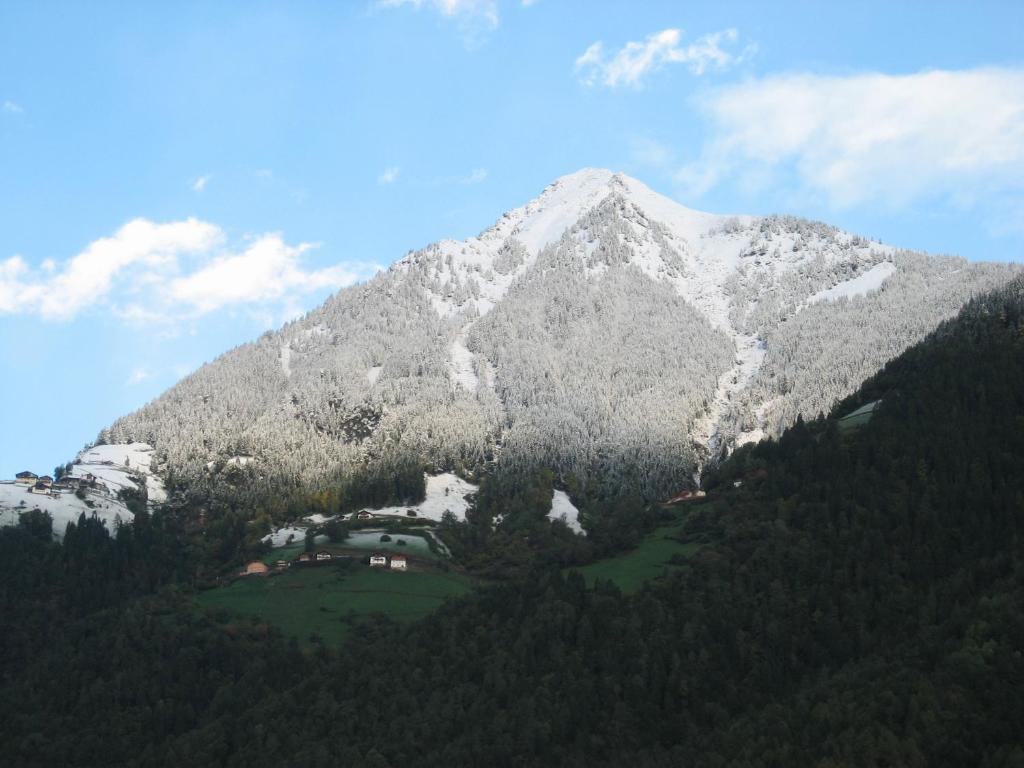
point(602, 330)
point(847, 597)
point(116, 473)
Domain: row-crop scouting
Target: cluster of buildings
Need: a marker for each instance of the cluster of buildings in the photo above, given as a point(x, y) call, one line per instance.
point(47, 486)
point(377, 560)
point(398, 562)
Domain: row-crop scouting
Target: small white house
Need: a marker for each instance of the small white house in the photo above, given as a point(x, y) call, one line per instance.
point(378, 561)
point(398, 563)
point(40, 488)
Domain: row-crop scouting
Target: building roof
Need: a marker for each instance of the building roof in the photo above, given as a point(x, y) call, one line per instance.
point(26, 474)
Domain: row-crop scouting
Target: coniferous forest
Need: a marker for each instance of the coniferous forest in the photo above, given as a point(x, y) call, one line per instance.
point(857, 599)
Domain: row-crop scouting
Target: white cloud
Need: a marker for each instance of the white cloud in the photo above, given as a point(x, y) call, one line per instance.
point(635, 60)
point(88, 277)
point(389, 175)
point(477, 176)
point(138, 376)
point(957, 134)
point(13, 108)
point(268, 270)
point(149, 272)
point(200, 183)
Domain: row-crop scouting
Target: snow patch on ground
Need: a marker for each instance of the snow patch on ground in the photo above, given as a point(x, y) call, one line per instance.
point(121, 466)
point(64, 507)
point(861, 285)
point(116, 464)
point(318, 519)
point(373, 374)
point(284, 536)
point(445, 492)
point(286, 360)
point(750, 353)
point(563, 509)
point(462, 371)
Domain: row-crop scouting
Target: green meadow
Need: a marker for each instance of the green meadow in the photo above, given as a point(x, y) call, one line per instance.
point(647, 561)
point(328, 600)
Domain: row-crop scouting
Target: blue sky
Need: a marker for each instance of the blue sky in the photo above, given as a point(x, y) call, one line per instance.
point(176, 179)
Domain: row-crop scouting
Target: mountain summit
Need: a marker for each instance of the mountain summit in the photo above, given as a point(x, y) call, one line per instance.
point(601, 330)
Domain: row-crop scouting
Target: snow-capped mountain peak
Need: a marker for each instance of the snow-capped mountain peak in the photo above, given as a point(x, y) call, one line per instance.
point(599, 326)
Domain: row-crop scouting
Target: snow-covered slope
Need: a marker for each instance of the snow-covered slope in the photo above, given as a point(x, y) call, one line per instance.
point(601, 329)
point(446, 492)
point(121, 466)
point(115, 468)
point(563, 509)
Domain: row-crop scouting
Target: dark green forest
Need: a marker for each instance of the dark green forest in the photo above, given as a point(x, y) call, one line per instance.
point(858, 601)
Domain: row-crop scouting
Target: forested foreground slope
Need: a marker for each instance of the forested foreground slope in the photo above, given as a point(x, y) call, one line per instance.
point(858, 600)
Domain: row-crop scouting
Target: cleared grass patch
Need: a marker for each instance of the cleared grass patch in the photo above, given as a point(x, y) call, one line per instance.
point(858, 418)
point(327, 600)
point(647, 561)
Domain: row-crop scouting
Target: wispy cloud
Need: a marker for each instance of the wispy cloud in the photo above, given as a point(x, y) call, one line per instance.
point(200, 183)
point(12, 108)
point(475, 176)
point(149, 272)
point(475, 18)
point(637, 59)
point(868, 137)
point(138, 376)
point(649, 152)
point(389, 175)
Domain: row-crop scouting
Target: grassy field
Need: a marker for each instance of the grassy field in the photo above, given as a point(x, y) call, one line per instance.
point(858, 418)
point(288, 552)
point(327, 600)
point(647, 561)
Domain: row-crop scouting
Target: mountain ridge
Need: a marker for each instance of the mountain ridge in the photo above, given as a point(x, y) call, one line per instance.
point(601, 329)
